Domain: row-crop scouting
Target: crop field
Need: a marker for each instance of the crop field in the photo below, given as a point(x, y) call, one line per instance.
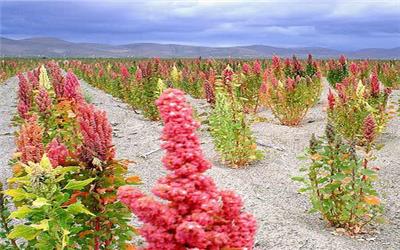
point(175, 154)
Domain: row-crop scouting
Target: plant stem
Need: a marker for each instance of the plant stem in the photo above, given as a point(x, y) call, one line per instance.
point(4, 220)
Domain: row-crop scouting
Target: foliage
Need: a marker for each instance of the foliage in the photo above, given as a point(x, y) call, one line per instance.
point(290, 98)
point(229, 128)
point(5, 226)
point(193, 214)
point(337, 71)
point(10, 67)
point(77, 183)
point(389, 75)
point(250, 82)
point(352, 102)
point(42, 192)
point(340, 184)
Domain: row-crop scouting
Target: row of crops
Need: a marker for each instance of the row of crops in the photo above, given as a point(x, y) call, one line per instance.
point(70, 191)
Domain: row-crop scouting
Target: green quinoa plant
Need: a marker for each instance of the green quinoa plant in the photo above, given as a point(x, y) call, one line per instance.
point(341, 184)
point(5, 223)
point(228, 125)
point(152, 89)
point(41, 192)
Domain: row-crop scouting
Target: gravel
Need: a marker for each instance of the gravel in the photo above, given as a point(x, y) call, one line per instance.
point(265, 186)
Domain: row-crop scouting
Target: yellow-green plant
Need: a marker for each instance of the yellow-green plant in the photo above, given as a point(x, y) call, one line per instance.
point(229, 128)
point(6, 225)
point(41, 193)
point(339, 183)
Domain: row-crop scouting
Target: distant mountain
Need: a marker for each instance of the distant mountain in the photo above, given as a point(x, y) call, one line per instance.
point(53, 47)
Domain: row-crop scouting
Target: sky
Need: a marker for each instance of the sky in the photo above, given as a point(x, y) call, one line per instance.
point(337, 24)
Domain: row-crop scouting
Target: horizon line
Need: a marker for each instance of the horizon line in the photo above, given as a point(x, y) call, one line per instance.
point(201, 46)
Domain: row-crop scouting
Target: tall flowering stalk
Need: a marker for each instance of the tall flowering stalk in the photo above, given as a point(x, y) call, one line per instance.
point(57, 153)
point(97, 134)
point(44, 80)
point(110, 229)
point(195, 215)
point(71, 88)
point(33, 80)
point(209, 87)
point(24, 96)
point(43, 101)
point(29, 141)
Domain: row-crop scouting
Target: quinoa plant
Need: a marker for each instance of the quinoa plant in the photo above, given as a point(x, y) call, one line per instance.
point(250, 82)
point(65, 152)
point(389, 75)
point(188, 212)
point(341, 184)
point(5, 223)
point(352, 102)
point(311, 67)
point(289, 98)
point(229, 128)
point(42, 191)
point(209, 87)
point(337, 70)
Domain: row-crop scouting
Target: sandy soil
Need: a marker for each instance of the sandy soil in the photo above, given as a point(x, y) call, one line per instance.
point(266, 187)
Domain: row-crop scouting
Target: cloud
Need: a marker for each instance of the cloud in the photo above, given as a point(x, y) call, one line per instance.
point(338, 24)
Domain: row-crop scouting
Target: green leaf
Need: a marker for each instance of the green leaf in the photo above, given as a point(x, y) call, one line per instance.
point(43, 225)
point(78, 185)
point(18, 194)
point(45, 162)
point(64, 170)
point(40, 202)
point(338, 177)
point(21, 213)
point(78, 208)
point(298, 178)
point(331, 187)
point(23, 231)
point(368, 172)
point(23, 180)
point(302, 190)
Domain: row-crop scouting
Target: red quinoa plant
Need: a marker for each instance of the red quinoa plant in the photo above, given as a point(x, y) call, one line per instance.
point(340, 183)
point(195, 215)
point(289, 92)
point(209, 86)
point(353, 101)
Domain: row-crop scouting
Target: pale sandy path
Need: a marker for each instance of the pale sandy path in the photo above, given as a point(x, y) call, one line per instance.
point(8, 93)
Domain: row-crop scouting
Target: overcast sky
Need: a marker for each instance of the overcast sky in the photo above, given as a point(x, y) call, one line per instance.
point(347, 24)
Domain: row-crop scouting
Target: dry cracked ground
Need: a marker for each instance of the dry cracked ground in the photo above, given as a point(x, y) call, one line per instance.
point(266, 186)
